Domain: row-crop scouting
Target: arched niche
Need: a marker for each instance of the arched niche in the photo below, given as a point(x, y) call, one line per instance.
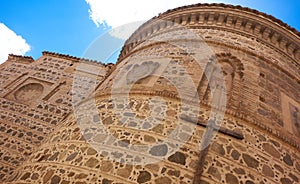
point(232, 71)
point(29, 93)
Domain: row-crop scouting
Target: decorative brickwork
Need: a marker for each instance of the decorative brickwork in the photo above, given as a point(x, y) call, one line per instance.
point(144, 121)
point(35, 98)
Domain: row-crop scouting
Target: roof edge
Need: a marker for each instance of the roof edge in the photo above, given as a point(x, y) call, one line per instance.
point(16, 56)
point(239, 7)
point(72, 58)
point(293, 37)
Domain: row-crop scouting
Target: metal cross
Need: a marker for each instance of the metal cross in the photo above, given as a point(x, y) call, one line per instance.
point(211, 129)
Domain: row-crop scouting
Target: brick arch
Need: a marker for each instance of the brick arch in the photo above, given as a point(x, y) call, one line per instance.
point(233, 61)
point(218, 61)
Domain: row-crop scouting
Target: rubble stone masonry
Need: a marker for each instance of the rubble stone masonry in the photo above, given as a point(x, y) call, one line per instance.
point(69, 120)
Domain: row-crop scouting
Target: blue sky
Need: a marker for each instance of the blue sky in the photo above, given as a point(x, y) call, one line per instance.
point(71, 26)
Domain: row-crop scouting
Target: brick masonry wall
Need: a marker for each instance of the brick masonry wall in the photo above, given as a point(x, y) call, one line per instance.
point(148, 118)
point(35, 98)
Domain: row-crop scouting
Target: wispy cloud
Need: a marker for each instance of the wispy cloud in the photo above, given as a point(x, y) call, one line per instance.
point(11, 43)
point(116, 13)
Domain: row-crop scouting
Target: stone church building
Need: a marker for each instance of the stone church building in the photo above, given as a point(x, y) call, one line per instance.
point(206, 93)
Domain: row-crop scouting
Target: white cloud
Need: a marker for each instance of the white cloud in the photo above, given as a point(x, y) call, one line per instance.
point(11, 43)
point(116, 13)
point(123, 32)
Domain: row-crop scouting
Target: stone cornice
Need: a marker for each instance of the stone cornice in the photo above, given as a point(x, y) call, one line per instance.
point(62, 56)
point(28, 59)
point(238, 7)
point(244, 20)
point(73, 59)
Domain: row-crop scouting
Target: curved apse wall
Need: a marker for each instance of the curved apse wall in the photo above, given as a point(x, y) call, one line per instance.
point(152, 117)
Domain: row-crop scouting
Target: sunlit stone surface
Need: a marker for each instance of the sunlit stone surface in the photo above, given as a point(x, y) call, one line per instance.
point(227, 70)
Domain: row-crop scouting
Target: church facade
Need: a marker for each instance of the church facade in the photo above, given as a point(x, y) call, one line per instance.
point(207, 93)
